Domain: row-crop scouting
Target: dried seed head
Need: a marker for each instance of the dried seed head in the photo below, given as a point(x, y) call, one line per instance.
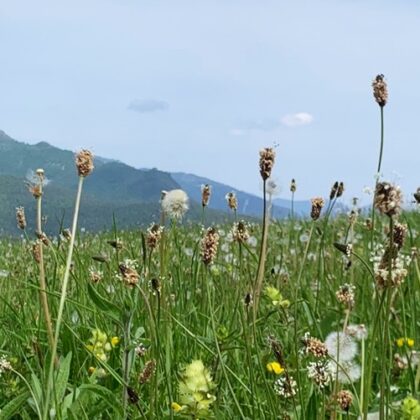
point(380, 90)
point(205, 195)
point(345, 294)
point(293, 186)
point(334, 190)
point(95, 276)
point(344, 400)
point(67, 234)
point(43, 238)
point(175, 204)
point(417, 196)
point(209, 245)
point(116, 244)
point(232, 201)
point(84, 163)
point(388, 198)
point(155, 286)
point(154, 233)
point(340, 189)
point(35, 190)
point(36, 251)
point(314, 346)
point(129, 274)
point(317, 204)
point(20, 218)
point(240, 232)
point(132, 395)
point(276, 348)
point(148, 371)
point(267, 157)
point(400, 232)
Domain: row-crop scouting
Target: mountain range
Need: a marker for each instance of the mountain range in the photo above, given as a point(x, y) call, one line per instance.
point(114, 191)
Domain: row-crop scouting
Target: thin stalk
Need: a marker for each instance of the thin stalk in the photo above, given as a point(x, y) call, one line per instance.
point(62, 298)
point(42, 283)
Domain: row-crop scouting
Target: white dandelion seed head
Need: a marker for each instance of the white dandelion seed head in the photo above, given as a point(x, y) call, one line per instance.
point(346, 372)
point(175, 203)
point(341, 347)
point(357, 331)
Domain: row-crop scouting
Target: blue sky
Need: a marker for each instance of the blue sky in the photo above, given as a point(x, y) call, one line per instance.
point(201, 86)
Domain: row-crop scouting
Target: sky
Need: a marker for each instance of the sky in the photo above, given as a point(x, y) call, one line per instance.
point(200, 86)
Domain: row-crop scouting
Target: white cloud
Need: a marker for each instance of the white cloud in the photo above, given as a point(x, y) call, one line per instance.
point(298, 119)
point(148, 105)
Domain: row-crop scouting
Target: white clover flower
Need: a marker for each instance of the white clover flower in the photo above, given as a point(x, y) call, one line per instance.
point(175, 203)
point(341, 347)
point(320, 372)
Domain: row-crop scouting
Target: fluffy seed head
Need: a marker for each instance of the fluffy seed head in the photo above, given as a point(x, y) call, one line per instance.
point(209, 245)
point(175, 204)
point(267, 158)
point(341, 347)
point(20, 218)
point(317, 205)
point(84, 162)
point(388, 198)
point(380, 90)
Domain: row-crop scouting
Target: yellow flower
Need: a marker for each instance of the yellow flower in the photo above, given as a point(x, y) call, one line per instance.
point(176, 407)
point(115, 341)
point(405, 340)
point(275, 367)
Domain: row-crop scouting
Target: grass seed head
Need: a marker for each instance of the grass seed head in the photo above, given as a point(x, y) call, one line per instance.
point(205, 195)
point(209, 245)
point(293, 186)
point(317, 205)
point(344, 400)
point(84, 163)
point(267, 158)
point(380, 90)
point(20, 218)
point(388, 198)
point(232, 201)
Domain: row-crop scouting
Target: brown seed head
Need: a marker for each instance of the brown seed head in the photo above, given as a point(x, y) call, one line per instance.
point(84, 162)
point(232, 201)
point(293, 186)
point(417, 196)
point(209, 245)
point(345, 295)
point(388, 198)
point(400, 232)
point(267, 157)
point(129, 275)
point(147, 372)
point(20, 218)
point(240, 232)
point(205, 195)
point(154, 233)
point(380, 90)
point(317, 204)
point(344, 400)
point(334, 190)
point(36, 251)
point(340, 189)
point(132, 395)
point(314, 346)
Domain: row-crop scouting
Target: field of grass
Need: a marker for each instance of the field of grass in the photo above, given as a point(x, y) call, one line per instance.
point(294, 319)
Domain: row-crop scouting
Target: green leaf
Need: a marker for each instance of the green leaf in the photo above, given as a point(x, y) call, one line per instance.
point(104, 304)
point(14, 406)
point(106, 395)
point(62, 378)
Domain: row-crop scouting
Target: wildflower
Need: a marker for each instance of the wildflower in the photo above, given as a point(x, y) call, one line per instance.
point(99, 345)
point(20, 218)
point(317, 204)
point(5, 365)
point(240, 232)
point(195, 389)
point(95, 275)
point(267, 157)
point(334, 190)
point(84, 163)
point(130, 276)
point(405, 340)
point(285, 387)
point(115, 341)
point(345, 294)
point(320, 373)
point(399, 234)
point(140, 350)
point(293, 186)
point(410, 408)
point(176, 407)
point(380, 90)
point(276, 297)
point(205, 195)
point(314, 346)
point(154, 233)
point(341, 347)
point(232, 201)
point(344, 400)
point(175, 204)
point(147, 372)
point(388, 198)
point(275, 367)
point(209, 246)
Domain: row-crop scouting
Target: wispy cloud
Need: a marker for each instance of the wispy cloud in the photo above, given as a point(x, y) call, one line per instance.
point(296, 120)
point(144, 106)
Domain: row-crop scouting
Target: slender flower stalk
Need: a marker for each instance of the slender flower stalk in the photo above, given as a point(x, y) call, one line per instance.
point(84, 164)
